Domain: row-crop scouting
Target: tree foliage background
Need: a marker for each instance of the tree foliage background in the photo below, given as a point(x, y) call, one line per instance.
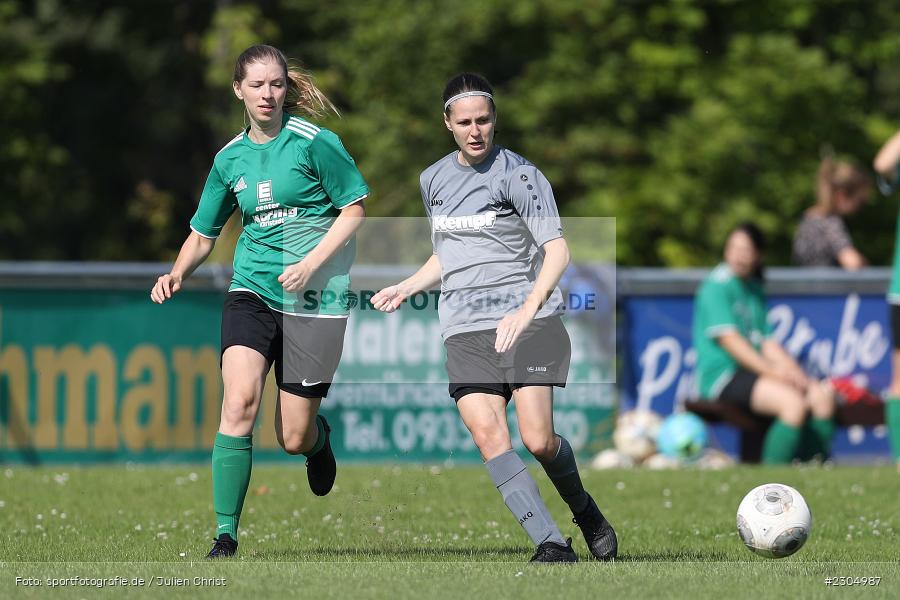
point(677, 117)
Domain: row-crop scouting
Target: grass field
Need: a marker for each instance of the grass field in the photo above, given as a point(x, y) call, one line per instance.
point(420, 531)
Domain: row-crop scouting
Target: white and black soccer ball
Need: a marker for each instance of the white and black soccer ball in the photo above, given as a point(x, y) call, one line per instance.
point(774, 520)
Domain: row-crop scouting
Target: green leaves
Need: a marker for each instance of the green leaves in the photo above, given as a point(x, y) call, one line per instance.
point(679, 118)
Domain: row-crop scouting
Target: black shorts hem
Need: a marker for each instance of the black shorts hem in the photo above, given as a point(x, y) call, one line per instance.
point(739, 389)
point(517, 386)
point(251, 346)
point(895, 326)
point(457, 391)
point(320, 390)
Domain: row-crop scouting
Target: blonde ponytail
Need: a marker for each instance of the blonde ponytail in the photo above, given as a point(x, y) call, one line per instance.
point(303, 97)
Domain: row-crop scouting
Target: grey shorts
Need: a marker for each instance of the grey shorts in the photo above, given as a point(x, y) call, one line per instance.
point(540, 356)
point(305, 351)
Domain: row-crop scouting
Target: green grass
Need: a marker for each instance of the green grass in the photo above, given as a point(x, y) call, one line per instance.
point(420, 531)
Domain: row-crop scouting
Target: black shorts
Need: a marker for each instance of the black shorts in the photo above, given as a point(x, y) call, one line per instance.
point(305, 350)
point(739, 389)
point(539, 357)
point(895, 325)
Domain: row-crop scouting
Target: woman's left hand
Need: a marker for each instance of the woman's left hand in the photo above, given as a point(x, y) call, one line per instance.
point(511, 327)
point(296, 276)
point(799, 379)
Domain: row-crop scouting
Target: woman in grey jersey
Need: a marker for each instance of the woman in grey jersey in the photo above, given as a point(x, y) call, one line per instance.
point(499, 253)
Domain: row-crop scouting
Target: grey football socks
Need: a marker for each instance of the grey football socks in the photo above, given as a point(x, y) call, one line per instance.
point(522, 497)
point(563, 472)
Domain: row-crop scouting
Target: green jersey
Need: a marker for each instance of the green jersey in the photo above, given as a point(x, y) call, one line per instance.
point(289, 191)
point(887, 188)
point(723, 303)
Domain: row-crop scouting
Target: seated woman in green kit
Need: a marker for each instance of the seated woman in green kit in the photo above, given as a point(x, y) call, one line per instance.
point(738, 362)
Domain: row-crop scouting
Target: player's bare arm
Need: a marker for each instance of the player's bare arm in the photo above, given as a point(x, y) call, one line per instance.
point(887, 158)
point(194, 251)
point(556, 260)
point(390, 298)
point(296, 276)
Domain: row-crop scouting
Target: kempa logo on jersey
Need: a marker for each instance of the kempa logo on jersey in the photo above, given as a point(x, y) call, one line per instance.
point(240, 186)
point(444, 223)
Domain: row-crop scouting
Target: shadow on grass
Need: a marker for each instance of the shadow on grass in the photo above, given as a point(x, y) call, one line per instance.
point(675, 556)
point(399, 554)
point(321, 553)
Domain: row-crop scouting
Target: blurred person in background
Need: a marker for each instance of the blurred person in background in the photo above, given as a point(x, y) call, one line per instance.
point(738, 362)
point(301, 198)
point(499, 253)
point(821, 238)
point(887, 165)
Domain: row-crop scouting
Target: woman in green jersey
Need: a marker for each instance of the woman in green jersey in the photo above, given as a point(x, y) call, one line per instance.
point(300, 197)
point(738, 362)
point(887, 164)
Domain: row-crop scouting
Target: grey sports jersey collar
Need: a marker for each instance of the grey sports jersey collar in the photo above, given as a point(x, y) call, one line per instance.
point(482, 167)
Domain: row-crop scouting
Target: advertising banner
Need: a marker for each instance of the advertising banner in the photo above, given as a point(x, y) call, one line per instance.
point(832, 335)
point(93, 375)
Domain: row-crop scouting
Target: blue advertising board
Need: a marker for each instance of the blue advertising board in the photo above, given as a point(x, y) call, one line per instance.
point(839, 335)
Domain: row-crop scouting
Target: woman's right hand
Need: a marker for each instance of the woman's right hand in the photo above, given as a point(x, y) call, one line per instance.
point(791, 376)
point(165, 287)
point(388, 299)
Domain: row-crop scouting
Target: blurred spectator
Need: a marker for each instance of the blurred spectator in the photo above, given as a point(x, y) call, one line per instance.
point(821, 239)
point(887, 165)
point(739, 363)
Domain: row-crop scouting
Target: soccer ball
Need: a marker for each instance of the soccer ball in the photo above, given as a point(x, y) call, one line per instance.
point(635, 434)
point(773, 520)
point(682, 436)
point(660, 462)
point(611, 459)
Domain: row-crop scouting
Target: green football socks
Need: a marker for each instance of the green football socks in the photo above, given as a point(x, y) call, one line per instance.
point(232, 459)
point(781, 443)
point(823, 430)
point(892, 420)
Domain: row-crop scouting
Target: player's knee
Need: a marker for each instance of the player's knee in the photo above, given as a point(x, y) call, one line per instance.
point(793, 411)
point(490, 441)
point(292, 446)
point(823, 410)
point(822, 396)
point(542, 446)
point(237, 409)
point(293, 443)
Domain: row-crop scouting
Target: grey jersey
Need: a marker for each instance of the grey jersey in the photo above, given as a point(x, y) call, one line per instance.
point(488, 223)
